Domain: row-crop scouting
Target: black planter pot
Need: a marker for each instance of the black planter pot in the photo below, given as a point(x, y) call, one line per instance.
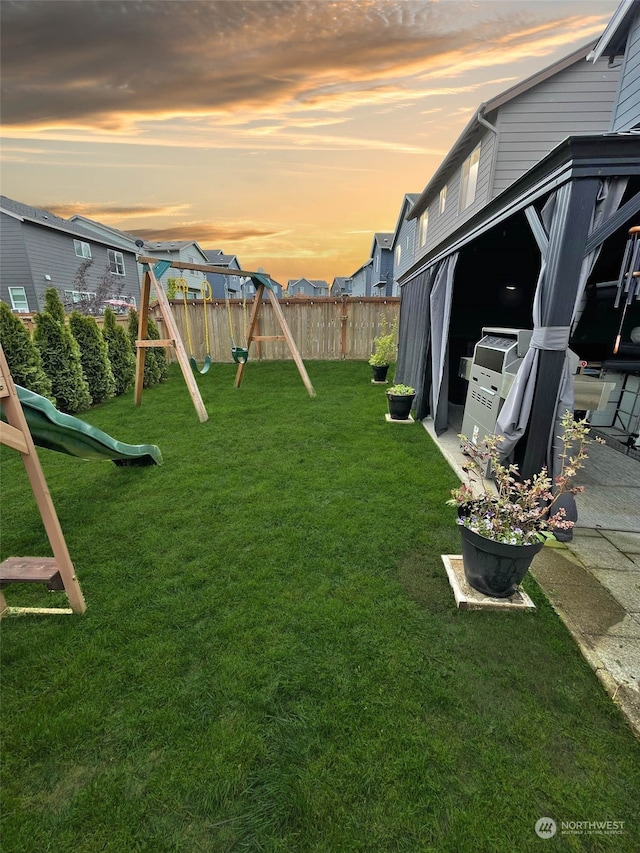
point(380, 372)
point(400, 406)
point(495, 568)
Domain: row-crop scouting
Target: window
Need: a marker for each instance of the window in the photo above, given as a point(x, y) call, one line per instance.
point(116, 262)
point(443, 198)
point(469, 179)
point(18, 297)
point(83, 250)
point(398, 254)
point(423, 226)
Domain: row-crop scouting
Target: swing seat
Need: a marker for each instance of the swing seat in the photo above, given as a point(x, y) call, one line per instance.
point(205, 366)
point(240, 354)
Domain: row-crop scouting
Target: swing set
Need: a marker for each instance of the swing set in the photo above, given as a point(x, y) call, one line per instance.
point(153, 269)
point(239, 354)
point(205, 289)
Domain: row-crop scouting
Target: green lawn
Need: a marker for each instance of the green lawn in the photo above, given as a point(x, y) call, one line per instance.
point(272, 660)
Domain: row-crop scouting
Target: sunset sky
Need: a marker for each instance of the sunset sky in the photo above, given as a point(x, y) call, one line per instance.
point(283, 131)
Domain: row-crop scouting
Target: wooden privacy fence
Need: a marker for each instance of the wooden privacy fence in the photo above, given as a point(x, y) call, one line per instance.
point(325, 328)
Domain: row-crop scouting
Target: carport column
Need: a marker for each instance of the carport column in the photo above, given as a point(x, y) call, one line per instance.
point(569, 230)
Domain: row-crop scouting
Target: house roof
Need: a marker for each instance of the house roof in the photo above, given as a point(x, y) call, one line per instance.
point(407, 203)
point(613, 40)
point(475, 128)
point(50, 220)
point(383, 240)
point(314, 282)
point(218, 257)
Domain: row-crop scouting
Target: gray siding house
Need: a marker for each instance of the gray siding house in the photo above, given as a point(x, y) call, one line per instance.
point(219, 282)
point(42, 250)
point(382, 267)
point(620, 42)
point(307, 287)
point(508, 135)
point(176, 251)
point(341, 286)
point(403, 243)
point(361, 279)
point(524, 220)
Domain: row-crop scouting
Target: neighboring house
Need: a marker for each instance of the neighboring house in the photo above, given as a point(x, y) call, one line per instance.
point(382, 266)
point(177, 251)
point(403, 241)
point(341, 286)
point(526, 214)
point(508, 135)
point(307, 287)
point(361, 279)
point(220, 282)
point(620, 43)
point(42, 250)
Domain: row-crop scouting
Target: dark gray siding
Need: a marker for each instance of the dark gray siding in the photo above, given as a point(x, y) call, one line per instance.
point(627, 108)
point(442, 224)
point(52, 253)
point(14, 261)
point(576, 100)
point(406, 240)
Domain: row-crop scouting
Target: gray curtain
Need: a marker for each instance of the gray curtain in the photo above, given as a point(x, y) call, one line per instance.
point(414, 336)
point(515, 413)
point(440, 314)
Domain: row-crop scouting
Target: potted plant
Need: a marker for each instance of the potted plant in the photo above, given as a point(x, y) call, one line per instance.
point(400, 399)
point(385, 348)
point(502, 531)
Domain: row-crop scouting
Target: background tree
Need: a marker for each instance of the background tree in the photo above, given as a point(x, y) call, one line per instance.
point(60, 356)
point(123, 363)
point(94, 355)
point(23, 357)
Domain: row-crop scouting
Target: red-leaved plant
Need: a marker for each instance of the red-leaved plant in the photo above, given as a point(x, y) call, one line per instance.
point(522, 512)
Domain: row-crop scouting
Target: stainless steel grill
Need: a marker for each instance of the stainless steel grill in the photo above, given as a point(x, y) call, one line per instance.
point(491, 371)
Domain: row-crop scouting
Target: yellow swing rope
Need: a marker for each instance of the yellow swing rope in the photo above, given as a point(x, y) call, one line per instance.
point(205, 290)
point(226, 299)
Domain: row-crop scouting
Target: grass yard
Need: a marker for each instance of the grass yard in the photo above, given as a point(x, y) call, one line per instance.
point(272, 660)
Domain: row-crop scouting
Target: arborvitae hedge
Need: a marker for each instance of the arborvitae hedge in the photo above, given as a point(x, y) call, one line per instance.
point(21, 353)
point(123, 363)
point(61, 356)
point(151, 368)
point(94, 355)
point(160, 354)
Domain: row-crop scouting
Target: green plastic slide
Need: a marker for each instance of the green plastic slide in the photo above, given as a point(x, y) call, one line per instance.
point(65, 434)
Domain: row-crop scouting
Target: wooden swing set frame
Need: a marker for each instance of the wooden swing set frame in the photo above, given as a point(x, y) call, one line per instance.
point(57, 572)
point(154, 268)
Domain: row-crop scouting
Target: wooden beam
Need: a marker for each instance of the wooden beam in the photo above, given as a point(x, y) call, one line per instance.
point(268, 338)
point(253, 322)
point(277, 310)
point(16, 419)
point(183, 265)
point(181, 353)
point(13, 438)
point(143, 323)
point(155, 342)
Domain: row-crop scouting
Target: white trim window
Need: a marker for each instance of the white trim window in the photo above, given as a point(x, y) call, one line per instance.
point(423, 227)
point(398, 254)
point(116, 262)
point(443, 199)
point(82, 249)
point(19, 301)
point(469, 178)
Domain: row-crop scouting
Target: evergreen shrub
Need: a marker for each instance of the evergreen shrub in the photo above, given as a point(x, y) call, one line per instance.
point(94, 355)
point(23, 357)
point(151, 368)
point(123, 363)
point(60, 356)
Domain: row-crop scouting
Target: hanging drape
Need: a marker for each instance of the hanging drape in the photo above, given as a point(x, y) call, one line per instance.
point(439, 316)
point(514, 416)
point(414, 336)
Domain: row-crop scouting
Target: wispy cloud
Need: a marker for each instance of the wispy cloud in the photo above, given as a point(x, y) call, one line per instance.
point(110, 211)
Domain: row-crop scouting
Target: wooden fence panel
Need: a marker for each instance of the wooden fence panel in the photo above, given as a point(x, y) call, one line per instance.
point(327, 329)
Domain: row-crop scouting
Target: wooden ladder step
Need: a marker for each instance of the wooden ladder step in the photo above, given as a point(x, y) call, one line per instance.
point(31, 570)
